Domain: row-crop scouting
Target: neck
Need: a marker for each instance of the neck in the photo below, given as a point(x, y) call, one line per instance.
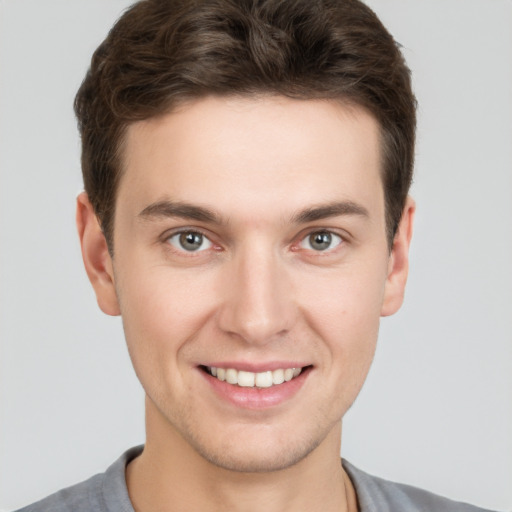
point(171, 475)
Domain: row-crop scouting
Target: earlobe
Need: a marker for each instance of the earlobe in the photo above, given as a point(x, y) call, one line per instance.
point(97, 260)
point(399, 262)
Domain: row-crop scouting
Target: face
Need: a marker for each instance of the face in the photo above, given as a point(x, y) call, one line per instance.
point(250, 241)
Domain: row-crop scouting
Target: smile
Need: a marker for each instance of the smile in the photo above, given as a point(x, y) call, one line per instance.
point(246, 379)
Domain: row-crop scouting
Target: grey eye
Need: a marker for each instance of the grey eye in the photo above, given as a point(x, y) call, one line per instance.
point(321, 241)
point(190, 241)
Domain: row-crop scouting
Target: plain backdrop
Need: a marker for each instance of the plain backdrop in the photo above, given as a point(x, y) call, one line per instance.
point(436, 411)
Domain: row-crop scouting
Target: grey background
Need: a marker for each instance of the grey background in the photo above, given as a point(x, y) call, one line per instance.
point(437, 409)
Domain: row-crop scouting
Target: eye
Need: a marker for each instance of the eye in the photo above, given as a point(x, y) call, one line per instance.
point(190, 241)
point(321, 241)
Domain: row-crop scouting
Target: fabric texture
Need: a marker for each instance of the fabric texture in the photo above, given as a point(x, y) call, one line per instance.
point(107, 492)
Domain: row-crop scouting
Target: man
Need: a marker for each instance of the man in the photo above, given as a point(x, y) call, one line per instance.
point(246, 168)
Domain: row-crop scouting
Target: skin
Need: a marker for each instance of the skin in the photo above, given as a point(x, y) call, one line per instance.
point(258, 291)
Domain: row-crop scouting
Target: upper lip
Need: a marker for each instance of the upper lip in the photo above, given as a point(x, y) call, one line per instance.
point(256, 367)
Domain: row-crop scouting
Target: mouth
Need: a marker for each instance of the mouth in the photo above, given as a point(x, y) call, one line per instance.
point(245, 379)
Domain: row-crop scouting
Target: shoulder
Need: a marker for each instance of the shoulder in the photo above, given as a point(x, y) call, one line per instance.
point(104, 492)
point(77, 498)
point(379, 495)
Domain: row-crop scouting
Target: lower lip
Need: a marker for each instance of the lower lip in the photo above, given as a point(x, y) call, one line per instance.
point(257, 398)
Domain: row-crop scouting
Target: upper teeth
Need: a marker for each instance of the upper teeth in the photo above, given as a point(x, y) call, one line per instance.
point(250, 379)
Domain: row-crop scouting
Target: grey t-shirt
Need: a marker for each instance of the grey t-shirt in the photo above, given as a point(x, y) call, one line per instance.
point(107, 492)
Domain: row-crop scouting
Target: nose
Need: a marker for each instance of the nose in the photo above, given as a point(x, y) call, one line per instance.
point(258, 303)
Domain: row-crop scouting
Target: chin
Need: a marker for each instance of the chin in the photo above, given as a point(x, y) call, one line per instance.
point(259, 451)
point(256, 459)
point(257, 446)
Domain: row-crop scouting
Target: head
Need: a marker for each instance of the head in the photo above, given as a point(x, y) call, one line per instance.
point(246, 166)
point(161, 54)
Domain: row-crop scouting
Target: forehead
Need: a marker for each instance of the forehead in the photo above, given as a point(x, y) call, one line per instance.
point(254, 154)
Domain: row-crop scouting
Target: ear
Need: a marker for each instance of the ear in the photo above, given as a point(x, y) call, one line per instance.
point(398, 267)
point(97, 260)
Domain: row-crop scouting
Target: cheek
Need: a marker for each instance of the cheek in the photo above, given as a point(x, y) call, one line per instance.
point(345, 313)
point(349, 300)
point(162, 310)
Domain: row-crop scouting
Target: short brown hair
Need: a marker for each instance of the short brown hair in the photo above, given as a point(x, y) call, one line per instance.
point(163, 52)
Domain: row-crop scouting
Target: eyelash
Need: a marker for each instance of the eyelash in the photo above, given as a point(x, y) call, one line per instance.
point(191, 231)
point(333, 237)
point(205, 237)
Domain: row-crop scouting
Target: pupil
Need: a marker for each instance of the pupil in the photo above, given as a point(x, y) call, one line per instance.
point(191, 241)
point(320, 241)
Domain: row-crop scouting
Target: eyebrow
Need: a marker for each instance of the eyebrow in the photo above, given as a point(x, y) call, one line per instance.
point(182, 210)
point(330, 210)
point(167, 208)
